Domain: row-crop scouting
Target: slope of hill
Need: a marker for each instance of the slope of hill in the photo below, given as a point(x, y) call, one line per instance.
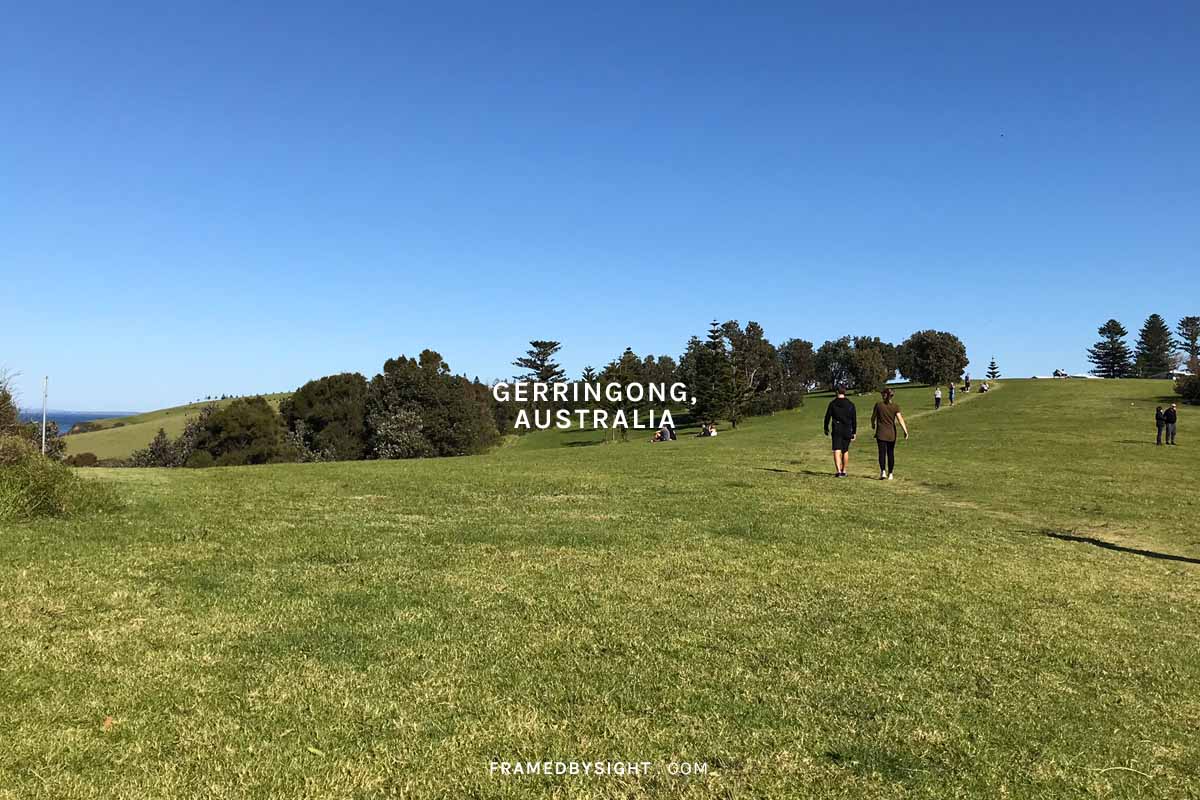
point(118, 437)
point(1016, 616)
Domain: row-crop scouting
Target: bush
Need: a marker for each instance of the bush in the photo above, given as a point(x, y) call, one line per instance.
point(199, 459)
point(159, 453)
point(33, 486)
point(329, 416)
point(247, 431)
point(15, 450)
point(82, 460)
point(416, 407)
point(1189, 387)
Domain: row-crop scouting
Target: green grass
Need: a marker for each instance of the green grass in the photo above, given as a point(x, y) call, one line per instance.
point(387, 629)
point(118, 437)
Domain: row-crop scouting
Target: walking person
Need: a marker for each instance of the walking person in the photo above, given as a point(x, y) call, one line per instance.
point(951, 392)
point(884, 418)
point(937, 398)
point(844, 416)
point(1160, 422)
point(1169, 417)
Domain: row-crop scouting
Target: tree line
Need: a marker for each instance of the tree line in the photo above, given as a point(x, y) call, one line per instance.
point(734, 371)
point(418, 408)
point(1157, 350)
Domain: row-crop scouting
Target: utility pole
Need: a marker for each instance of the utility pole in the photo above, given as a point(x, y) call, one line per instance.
point(45, 386)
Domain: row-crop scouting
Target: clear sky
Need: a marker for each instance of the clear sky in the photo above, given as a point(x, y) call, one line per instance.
point(213, 198)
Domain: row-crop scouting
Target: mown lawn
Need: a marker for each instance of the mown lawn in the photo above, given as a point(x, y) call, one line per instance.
point(390, 629)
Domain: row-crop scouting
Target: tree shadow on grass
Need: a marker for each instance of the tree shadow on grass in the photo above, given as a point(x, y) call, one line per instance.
point(1073, 537)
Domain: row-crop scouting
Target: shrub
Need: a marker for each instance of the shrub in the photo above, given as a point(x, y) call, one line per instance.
point(330, 416)
point(1189, 387)
point(82, 460)
point(34, 486)
point(247, 431)
point(15, 450)
point(199, 459)
point(159, 453)
point(56, 447)
point(417, 407)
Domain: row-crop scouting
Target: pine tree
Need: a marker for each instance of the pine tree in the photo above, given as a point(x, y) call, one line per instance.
point(1189, 338)
point(1111, 355)
point(1155, 347)
point(589, 374)
point(539, 360)
point(993, 371)
point(711, 375)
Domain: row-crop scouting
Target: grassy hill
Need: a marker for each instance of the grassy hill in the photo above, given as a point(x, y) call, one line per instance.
point(1018, 615)
point(118, 437)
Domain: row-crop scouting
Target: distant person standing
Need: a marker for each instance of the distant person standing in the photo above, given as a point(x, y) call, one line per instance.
point(937, 398)
point(951, 392)
point(1160, 422)
point(844, 416)
point(884, 418)
point(967, 384)
point(1169, 417)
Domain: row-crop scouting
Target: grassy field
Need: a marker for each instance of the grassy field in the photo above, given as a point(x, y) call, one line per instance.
point(1018, 615)
point(118, 437)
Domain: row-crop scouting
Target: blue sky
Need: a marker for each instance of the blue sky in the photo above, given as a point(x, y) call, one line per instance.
point(216, 198)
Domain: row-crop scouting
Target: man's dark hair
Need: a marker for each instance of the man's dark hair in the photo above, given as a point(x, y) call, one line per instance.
point(839, 389)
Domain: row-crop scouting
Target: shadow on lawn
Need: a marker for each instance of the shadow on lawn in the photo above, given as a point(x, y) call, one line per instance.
point(1072, 537)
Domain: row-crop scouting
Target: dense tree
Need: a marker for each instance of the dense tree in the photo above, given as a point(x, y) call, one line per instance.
point(1155, 348)
point(159, 453)
point(330, 415)
point(416, 407)
point(869, 370)
point(539, 362)
point(1188, 331)
point(659, 370)
point(624, 370)
point(1111, 355)
point(835, 362)
point(796, 372)
point(710, 375)
point(932, 357)
point(888, 354)
point(589, 375)
point(247, 431)
point(753, 362)
point(1189, 388)
point(993, 371)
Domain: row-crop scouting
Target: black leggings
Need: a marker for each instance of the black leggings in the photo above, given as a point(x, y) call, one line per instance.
point(887, 456)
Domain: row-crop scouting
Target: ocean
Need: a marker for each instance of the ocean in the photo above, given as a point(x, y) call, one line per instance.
point(65, 419)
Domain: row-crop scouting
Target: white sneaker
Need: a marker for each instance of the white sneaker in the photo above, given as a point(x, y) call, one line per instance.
point(882, 475)
point(891, 477)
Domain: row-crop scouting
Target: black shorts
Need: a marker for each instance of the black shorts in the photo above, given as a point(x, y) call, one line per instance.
point(841, 441)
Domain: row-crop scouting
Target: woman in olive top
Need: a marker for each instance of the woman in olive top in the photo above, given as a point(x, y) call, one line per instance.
point(884, 418)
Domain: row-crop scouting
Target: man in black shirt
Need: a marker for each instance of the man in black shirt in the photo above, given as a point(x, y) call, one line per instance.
point(1169, 417)
point(844, 416)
